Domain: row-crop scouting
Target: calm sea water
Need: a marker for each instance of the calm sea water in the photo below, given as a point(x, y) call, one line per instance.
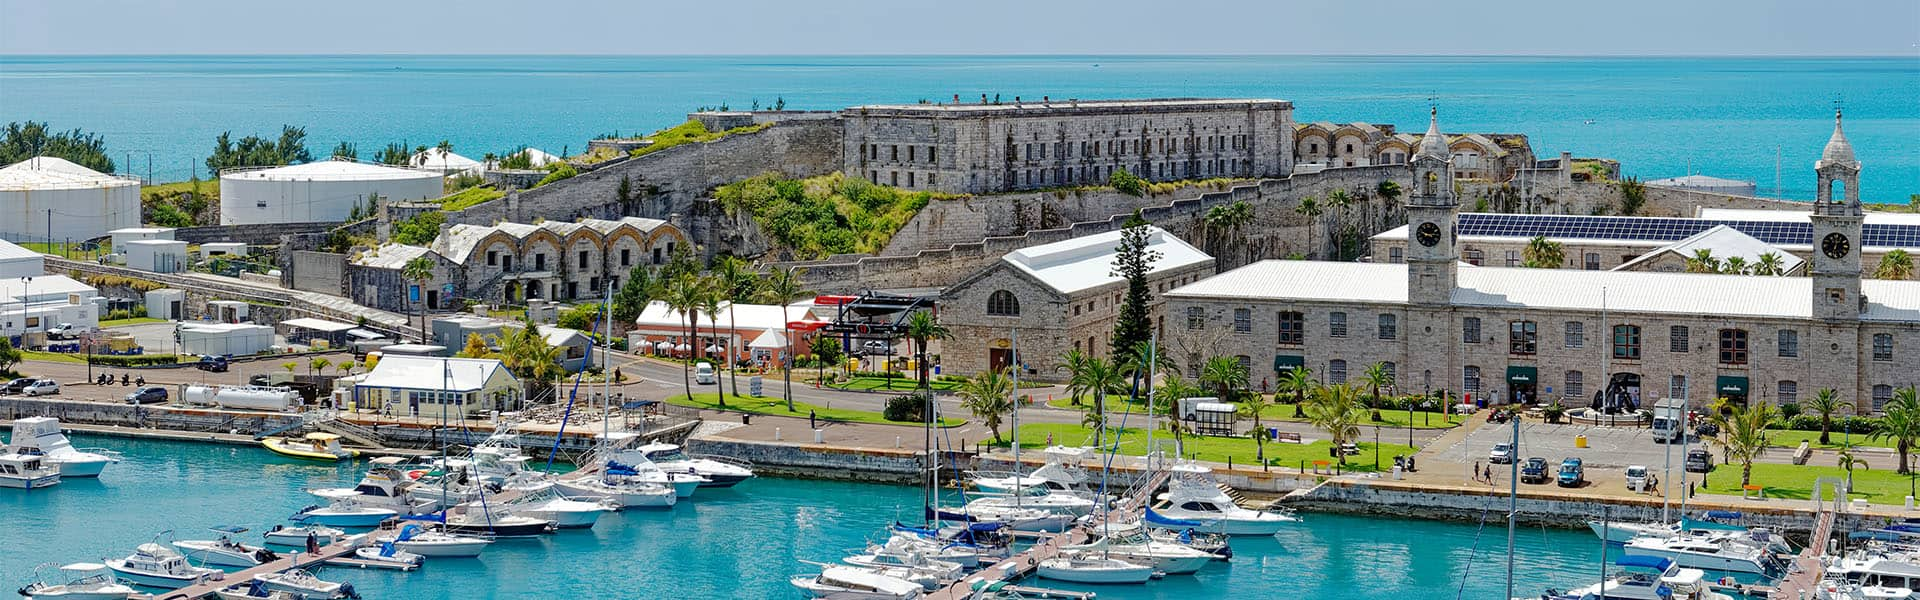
point(1729, 117)
point(740, 543)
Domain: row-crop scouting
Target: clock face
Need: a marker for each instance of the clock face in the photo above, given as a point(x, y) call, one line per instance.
point(1835, 245)
point(1429, 234)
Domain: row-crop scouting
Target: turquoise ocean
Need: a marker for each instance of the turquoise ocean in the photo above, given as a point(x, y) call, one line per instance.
point(1728, 117)
point(739, 543)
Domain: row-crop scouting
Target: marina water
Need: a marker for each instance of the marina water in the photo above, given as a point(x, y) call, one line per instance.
point(738, 543)
point(1728, 117)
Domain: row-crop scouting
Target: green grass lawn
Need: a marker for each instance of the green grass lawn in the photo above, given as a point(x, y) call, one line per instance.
point(1238, 450)
point(131, 321)
point(52, 356)
point(773, 405)
point(867, 383)
point(1284, 412)
point(1791, 438)
point(1878, 484)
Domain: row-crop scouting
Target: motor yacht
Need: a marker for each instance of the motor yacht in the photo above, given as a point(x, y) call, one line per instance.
point(252, 590)
point(439, 544)
point(157, 566)
point(905, 556)
point(496, 524)
point(344, 509)
point(1620, 533)
point(1875, 568)
point(635, 464)
point(81, 581)
point(298, 536)
point(855, 583)
point(547, 504)
point(303, 585)
point(1839, 589)
point(26, 472)
point(41, 436)
point(1644, 578)
point(1037, 499)
point(720, 471)
point(1194, 496)
point(1062, 474)
point(969, 545)
point(1136, 547)
point(1017, 519)
point(1093, 569)
point(387, 484)
point(1717, 553)
point(628, 492)
point(224, 551)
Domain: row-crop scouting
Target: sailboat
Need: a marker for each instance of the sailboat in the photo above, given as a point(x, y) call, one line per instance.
point(1099, 563)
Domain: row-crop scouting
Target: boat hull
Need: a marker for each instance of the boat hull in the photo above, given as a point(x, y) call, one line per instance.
point(501, 531)
point(81, 468)
point(155, 580)
point(208, 554)
point(815, 589)
point(30, 483)
point(566, 519)
point(298, 537)
point(717, 480)
point(353, 519)
point(60, 591)
point(445, 549)
point(1693, 560)
point(1137, 574)
point(280, 447)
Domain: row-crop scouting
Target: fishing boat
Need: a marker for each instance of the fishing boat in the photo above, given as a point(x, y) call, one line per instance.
point(388, 553)
point(304, 585)
point(1193, 496)
point(636, 465)
point(1136, 547)
point(1090, 568)
point(343, 509)
point(224, 551)
point(1061, 474)
point(1706, 552)
point(1644, 578)
point(629, 493)
point(41, 436)
point(26, 472)
point(547, 504)
point(388, 484)
point(720, 471)
point(157, 566)
point(854, 583)
point(439, 544)
point(81, 581)
point(320, 535)
point(252, 590)
point(314, 446)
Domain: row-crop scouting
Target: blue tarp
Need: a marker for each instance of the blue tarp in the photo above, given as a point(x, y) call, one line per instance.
point(614, 468)
point(1159, 520)
point(1650, 562)
point(407, 532)
point(1723, 514)
point(433, 518)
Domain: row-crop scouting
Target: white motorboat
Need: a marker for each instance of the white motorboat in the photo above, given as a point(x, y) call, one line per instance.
point(902, 556)
point(969, 545)
point(1194, 497)
point(41, 436)
point(343, 509)
point(81, 581)
point(386, 485)
point(1876, 568)
point(1062, 474)
point(1137, 547)
point(495, 524)
point(720, 471)
point(1037, 499)
point(157, 566)
point(303, 585)
point(927, 581)
point(438, 544)
point(252, 590)
point(1093, 569)
point(26, 472)
point(635, 464)
point(1706, 552)
point(1017, 519)
point(1644, 578)
point(388, 553)
point(224, 551)
point(547, 504)
point(299, 536)
point(854, 583)
point(1620, 533)
point(1839, 589)
point(630, 493)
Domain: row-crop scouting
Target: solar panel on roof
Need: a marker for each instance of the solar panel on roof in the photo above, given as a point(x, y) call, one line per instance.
point(1666, 229)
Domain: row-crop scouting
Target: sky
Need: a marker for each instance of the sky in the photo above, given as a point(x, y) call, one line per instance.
point(895, 27)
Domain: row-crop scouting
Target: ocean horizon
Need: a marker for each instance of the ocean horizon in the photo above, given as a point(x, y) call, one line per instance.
point(1746, 118)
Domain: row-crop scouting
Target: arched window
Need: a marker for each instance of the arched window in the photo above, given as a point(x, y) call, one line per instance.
point(1003, 304)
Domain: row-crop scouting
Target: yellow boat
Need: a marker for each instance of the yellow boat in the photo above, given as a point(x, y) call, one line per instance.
point(315, 446)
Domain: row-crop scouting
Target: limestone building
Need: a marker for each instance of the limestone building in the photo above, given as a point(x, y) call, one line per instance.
point(512, 263)
point(1023, 145)
point(1490, 156)
point(1060, 297)
point(1515, 334)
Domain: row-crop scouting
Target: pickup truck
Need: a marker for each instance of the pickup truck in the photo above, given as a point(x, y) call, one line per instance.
point(1639, 479)
point(1534, 471)
point(1572, 474)
point(63, 331)
point(1699, 460)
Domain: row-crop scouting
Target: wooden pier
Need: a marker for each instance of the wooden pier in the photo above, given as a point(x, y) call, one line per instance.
point(341, 550)
point(1025, 562)
point(1804, 578)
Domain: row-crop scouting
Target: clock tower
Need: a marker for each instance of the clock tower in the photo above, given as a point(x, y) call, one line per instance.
point(1432, 258)
point(1837, 225)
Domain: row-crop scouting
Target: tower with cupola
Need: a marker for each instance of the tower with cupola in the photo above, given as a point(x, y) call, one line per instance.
point(1837, 226)
point(1432, 254)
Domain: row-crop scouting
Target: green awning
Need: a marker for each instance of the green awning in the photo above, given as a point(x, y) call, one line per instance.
point(1522, 375)
point(1730, 385)
point(1283, 363)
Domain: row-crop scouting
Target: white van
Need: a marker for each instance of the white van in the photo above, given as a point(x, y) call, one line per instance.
point(703, 373)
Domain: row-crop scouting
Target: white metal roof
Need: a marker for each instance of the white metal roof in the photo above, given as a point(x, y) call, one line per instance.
point(226, 328)
point(1793, 216)
point(1086, 262)
point(442, 160)
point(760, 317)
point(433, 373)
point(770, 339)
point(42, 286)
point(317, 324)
point(1724, 242)
point(140, 230)
point(389, 256)
point(331, 170)
point(53, 173)
point(1565, 289)
point(1690, 181)
point(10, 251)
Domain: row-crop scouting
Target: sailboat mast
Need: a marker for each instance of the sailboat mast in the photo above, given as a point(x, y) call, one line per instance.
point(1513, 503)
point(1684, 440)
point(1153, 349)
point(1015, 368)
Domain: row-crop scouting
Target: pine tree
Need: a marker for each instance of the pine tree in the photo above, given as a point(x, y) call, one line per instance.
point(1133, 261)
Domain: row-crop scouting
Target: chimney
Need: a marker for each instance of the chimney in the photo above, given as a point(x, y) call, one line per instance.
point(383, 228)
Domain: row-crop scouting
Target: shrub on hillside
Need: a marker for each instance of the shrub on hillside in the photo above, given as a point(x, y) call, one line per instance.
point(1127, 183)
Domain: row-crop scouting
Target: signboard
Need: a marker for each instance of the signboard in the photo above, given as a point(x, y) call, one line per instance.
point(753, 386)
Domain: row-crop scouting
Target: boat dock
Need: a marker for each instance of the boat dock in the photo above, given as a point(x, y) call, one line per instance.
point(1804, 578)
point(337, 551)
point(1025, 562)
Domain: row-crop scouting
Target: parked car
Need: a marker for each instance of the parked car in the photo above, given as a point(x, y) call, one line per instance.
point(1572, 473)
point(213, 364)
point(1639, 479)
point(703, 373)
point(17, 386)
point(42, 387)
point(1699, 460)
point(151, 394)
point(1501, 454)
point(1707, 430)
point(1534, 471)
point(63, 331)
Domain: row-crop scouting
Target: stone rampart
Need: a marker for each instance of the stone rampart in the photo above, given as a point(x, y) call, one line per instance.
point(1546, 508)
point(261, 234)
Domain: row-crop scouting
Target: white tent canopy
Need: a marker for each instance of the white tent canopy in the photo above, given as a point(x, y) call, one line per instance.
point(771, 339)
point(444, 161)
point(537, 157)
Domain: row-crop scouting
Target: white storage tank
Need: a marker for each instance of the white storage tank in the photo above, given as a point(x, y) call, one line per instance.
point(243, 397)
point(322, 191)
point(46, 198)
point(158, 256)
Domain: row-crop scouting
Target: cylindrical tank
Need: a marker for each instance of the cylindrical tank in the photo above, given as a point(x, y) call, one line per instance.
point(318, 191)
point(46, 198)
point(243, 397)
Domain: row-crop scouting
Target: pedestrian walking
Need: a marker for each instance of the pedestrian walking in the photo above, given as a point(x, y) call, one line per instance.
point(811, 420)
point(1476, 470)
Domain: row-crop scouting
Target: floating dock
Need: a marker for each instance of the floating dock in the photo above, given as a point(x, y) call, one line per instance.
point(341, 550)
point(1024, 563)
point(1804, 578)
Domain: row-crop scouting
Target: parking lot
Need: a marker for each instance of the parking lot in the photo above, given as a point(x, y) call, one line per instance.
point(1609, 450)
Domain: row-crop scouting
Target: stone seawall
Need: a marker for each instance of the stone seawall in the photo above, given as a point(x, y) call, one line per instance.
point(1404, 499)
point(262, 234)
point(155, 417)
point(817, 461)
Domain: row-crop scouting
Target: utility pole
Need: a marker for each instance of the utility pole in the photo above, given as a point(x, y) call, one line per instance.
point(1513, 504)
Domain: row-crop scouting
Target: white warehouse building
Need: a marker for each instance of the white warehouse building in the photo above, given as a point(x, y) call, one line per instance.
point(322, 191)
point(46, 198)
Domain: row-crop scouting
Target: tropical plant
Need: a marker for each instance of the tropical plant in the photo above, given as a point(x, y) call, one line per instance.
point(9, 355)
point(346, 150)
point(476, 347)
point(1224, 225)
point(1336, 410)
point(634, 294)
point(1900, 424)
point(1895, 264)
point(1299, 382)
point(1339, 200)
point(256, 151)
point(1827, 403)
point(1633, 196)
point(1743, 435)
point(318, 364)
point(1377, 376)
point(781, 287)
point(683, 297)
point(711, 287)
point(1703, 261)
point(1133, 261)
point(734, 279)
point(1311, 210)
point(922, 327)
point(1542, 253)
point(290, 366)
point(1849, 462)
point(1251, 405)
point(1126, 182)
point(1769, 264)
point(826, 351)
point(1735, 265)
point(1225, 376)
point(1092, 376)
point(1389, 191)
point(419, 270)
point(988, 395)
point(1553, 412)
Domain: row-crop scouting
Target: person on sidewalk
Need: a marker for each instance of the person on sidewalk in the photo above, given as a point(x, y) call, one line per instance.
point(811, 424)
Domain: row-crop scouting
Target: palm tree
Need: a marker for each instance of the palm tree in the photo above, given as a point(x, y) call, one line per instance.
point(289, 366)
point(1336, 410)
point(988, 395)
point(1703, 261)
point(1224, 223)
point(1770, 264)
point(1848, 462)
point(922, 327)
point(1743, 435)
point(710, 289)
point(1309, 208)
point(736, 281)
point(1389, 191)
point(1542, 253)
point(1901, 423)
point(1251, 405)
point(1299, 381)
point(318, 363)
point(419, 271)
point(1896, 264)
point(1225, 375)
point(1339, 201)
point(1095, 376)
point(1827, 403)
point(781, 287)
point(1736, 265)
point(683, 297)
point(1377, 376)
point(1138, 368)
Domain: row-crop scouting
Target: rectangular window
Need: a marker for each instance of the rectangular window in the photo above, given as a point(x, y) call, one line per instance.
point(1470, 379)
point(1395, 254)
point(1576, 384)
point(33, 322)
point(912, 151)
point(931, 157)
point(1626, 342)
point(540, 262)
point(1475, 257)
point(1677, 339)
point(893, 178)
point(1336, 371)
point(1677, 387)
point(1593, 261)
point(1470, 330)
point(656, 256)
point(493, 258)
point(1883, 347)
point(909, 178)
point(1576, 334)
point(1523, 337)
point(1196, 318)
point(1337, 324)
point(1243, 320)
point(1513, 258)
point(895, 154)
point(583, 259)
point(1882, 394)
point(1389, 327)
point(1293, 328)
point(1789, 392)
point(1789, 343)
point(626, 257)
point(932, 178)
point(1733, 346)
